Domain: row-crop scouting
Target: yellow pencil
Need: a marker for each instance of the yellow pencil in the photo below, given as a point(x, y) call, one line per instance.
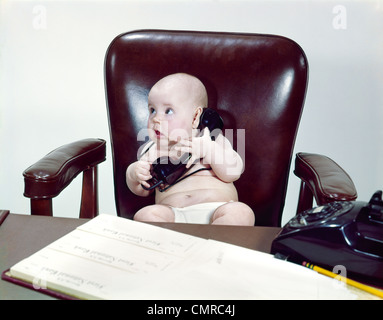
point(350, 282)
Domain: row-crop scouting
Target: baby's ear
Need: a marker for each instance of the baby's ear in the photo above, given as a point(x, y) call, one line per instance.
point(197, 115)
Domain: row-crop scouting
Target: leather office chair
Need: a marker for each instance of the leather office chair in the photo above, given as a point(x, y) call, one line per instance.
point(256, 82)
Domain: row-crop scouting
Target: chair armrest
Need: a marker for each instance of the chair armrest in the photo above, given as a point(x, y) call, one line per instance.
point(326, 179)
point(50, 175)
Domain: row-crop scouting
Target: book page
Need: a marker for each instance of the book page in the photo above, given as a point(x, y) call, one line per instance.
point(115, 258)
point(258, 275)
point(114, 253)
point(103, 250)
point(143, 235)
point(69, 274)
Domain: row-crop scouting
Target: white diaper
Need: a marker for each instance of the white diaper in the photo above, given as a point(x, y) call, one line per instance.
point(198, 213)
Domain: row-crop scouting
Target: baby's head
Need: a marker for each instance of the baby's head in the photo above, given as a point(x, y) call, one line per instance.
point(175, 105)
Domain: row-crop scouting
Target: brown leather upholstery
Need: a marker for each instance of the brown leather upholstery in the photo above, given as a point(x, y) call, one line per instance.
point(323, 179)
point(49, 176)
point(256, 82)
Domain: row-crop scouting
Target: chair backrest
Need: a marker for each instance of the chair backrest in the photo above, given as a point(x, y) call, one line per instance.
point(256, 82)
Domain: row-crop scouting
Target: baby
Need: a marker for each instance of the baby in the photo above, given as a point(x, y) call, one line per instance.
point(208, 196)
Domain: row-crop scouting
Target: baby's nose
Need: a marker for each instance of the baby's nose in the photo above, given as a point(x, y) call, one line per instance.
point(156, 119)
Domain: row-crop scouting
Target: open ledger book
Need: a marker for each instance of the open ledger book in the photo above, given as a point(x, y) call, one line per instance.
point(115, 258)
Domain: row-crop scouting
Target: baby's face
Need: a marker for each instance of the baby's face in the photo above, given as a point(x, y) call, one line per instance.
point(171, 113)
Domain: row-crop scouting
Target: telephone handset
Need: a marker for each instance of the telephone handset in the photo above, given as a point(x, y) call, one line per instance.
point(166, 171)
point(339, 233)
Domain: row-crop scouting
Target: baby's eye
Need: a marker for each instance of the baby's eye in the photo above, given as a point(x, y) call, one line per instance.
point(169, 111)
point(152, 111)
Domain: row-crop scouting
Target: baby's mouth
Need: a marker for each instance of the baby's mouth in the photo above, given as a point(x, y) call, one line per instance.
point(158, 134)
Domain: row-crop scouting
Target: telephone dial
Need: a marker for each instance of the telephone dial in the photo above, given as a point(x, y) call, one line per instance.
point(339, 233)
point(166, 172)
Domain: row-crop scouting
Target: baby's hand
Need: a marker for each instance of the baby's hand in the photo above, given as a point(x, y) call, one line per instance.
point(142, 172)
point(199, 147)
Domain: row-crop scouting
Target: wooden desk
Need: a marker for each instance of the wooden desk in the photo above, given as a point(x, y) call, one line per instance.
point(23, 235)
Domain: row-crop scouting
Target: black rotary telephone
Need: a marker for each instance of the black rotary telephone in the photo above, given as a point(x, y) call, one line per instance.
point(165, 172)
point(339, 233)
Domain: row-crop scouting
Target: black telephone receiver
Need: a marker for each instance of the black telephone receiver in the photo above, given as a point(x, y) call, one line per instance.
point(166, 171)
point(339, 233)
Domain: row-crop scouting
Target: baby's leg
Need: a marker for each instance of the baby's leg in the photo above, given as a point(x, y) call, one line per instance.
point(156, 213)
point(234, 213)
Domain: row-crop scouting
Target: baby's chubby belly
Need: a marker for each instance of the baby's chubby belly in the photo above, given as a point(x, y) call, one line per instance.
point(197, 189)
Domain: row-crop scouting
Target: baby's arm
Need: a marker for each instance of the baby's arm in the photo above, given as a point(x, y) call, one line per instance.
point(219, 154)
point(224, 160)
point(139, 173)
